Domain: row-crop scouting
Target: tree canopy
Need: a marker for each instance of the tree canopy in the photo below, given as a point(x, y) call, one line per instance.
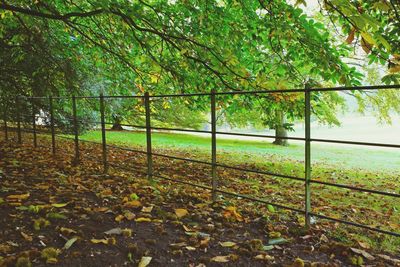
point(128, 47)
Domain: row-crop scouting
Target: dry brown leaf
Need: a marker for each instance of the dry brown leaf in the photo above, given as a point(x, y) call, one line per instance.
point(264, 257)
point(363, 253)
point(221, 258)
point(231, 212)
point(26, 237)
point(133, 204)
point(67, 231)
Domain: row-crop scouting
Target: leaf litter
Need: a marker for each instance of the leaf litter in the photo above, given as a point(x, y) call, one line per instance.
point(158, 224)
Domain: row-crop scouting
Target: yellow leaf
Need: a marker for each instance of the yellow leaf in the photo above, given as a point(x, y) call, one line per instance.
point(394, 69)
point(129, 215)
point(108, 241)
point(66, 230)
point(265, 257)
point(231, 212)
point(144, 261)
point(142, 219)
point(98, 241)
point(133, 204)
point(181, 212)
point(147, 209)
point(17, 197)
point(227, 244)
point(221, 259)
point(368, 38)
point(101, 209)
point(119, 218)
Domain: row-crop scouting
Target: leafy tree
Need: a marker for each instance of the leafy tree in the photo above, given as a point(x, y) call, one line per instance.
point(127, 47)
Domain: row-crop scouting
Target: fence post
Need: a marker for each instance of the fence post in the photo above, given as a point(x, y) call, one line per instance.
point(18, 107)
point(5, 121)
point(103, 134)
point(148, 137)
point(33, 124)
point(307, 114)
point(213, 147)
point(75, 120)
point(53, 136)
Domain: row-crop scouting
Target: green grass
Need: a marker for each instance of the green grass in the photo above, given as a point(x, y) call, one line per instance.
point(385, 160)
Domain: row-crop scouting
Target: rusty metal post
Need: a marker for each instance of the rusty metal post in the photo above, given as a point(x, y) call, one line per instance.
point(103, 133)
point(148, 137)
point(307, 114)
point(76, 131)
point(18, 107)
point(53, 135)
point(213, 147)
point(34, 125)
point(5, 121)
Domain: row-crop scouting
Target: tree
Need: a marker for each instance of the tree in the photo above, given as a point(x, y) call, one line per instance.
point(172, 46)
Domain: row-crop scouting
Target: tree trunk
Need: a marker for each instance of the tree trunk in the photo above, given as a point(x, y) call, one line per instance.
point(280, 130)
point(117, 124)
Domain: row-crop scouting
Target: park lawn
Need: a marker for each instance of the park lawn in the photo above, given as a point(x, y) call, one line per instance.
point(348, 157)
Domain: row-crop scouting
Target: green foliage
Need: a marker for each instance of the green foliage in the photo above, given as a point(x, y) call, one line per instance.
point(129, 47)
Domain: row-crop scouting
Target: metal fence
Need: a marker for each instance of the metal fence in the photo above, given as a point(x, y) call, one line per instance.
point(213, 187)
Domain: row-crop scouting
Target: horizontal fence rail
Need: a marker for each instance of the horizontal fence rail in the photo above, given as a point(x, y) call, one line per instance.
point(18, 122)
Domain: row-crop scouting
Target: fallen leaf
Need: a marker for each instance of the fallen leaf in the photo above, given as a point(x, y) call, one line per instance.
point(147, 209)
point(142, 219)
point(264, 257)
point(324, 238)
point(274, 234)
point(59, 205)
point(268, 247)
point(181, 212)
point(277, 241)
point(114, 231)
point(227, 244)
point(364, 245)
point(388, 258)
point(56, 216)
point(70, 242)
point(129, 215)
point(221, 258)
point(144, 261)
point(108, 241)
point(231, 212)
point(270, 208)
point(133, 196)
point(119, 218)
point(363, 253)
point(98, 241)
point(26, 237)
point(204, 242)
point(68, 231)
point(133, 204)
point(17, 197)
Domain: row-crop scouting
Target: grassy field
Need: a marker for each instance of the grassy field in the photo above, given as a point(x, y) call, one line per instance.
point(349, 157)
